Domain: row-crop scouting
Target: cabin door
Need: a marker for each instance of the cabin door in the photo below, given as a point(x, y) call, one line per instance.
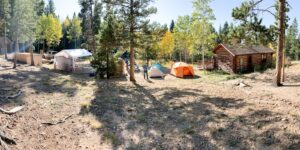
point(250, 64)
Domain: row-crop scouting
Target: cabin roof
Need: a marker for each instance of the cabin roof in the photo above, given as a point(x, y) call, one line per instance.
point(240, 49)
point(2, 39)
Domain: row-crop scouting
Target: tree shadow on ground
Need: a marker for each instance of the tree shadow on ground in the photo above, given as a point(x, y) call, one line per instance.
point(39, 81)
point(138, 117)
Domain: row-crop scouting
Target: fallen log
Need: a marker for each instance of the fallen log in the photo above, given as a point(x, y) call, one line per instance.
point(4, 140)
point(15, 96)
point(58, 122)
point(12, 111)
point(12, 96)
point(4, 145)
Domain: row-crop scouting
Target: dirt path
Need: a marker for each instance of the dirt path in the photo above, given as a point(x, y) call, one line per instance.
point(161, 114)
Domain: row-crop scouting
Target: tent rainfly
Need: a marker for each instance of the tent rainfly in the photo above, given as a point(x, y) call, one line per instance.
point(156, 71)
point(66, 59)
point(181, 69)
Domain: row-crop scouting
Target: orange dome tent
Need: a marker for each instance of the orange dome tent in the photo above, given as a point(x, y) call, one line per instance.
point(181, 69)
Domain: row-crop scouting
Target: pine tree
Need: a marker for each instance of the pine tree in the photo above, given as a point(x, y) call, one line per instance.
point(50, 9)
point(40, 7)
point(103, 59)
point(292, 45)
point(98, 12)
point(134, 14)
point(251, 26)
point(86, 16)
point(23, 23)
point(4, 21)
point(172, 25)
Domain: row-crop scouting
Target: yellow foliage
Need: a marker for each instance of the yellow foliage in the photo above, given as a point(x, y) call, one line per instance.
point(167, 45)
point(270, 45)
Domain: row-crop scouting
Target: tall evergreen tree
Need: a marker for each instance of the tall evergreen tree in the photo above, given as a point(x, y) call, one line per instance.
point(98, 12)
point(224, 33)
point(86, 16)
point(40, 7)
point(292, 44)
point(172, 25)
point(103, 59)
point(50, 9)
point(23, 23)
point(4, 21)
point(251, 26)
point(134, 14)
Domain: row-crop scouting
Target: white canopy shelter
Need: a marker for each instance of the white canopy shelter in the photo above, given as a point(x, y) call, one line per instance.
point(73, 53)
point(66, 59)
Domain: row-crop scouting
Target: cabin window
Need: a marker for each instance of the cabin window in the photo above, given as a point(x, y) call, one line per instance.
point(241, 61)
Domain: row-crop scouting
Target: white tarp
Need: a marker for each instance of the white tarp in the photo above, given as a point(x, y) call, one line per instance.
point(73, 53)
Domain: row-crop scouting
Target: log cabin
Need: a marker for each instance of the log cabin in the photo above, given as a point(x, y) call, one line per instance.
point(5, 43)
point(241, 58)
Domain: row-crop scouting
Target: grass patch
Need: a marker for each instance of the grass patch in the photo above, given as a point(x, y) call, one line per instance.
point(108, 136)
point(216, 76)
point(96, 124)
point(232, 77)
point(233, 141)
point(141, 118)
point(85, 104)
point(214, 131)
point(189, 131)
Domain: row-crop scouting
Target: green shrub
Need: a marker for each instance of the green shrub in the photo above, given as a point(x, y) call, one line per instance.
point(99, 62)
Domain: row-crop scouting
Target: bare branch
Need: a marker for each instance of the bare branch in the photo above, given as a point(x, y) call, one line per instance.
point(265, 10)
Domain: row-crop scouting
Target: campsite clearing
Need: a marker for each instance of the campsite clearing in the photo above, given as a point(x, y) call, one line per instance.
point(205, 113)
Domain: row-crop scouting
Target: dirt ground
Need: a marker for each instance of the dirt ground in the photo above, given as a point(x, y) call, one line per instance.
point(208, 112)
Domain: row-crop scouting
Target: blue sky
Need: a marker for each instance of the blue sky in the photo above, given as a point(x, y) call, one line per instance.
point(171, 9)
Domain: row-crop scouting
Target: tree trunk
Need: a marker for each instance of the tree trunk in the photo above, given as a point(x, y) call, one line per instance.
point(148, 61)
point(131, 32)
point(280, 41)
point(44, 47)
point(31, 53)
point(132, 78)
point(180, 56)
point(203, 61)
point(107, 64)
point(16, 53)
point(185, 55)
point(5, 44)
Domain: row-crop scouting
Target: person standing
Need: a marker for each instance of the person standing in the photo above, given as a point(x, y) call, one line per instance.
point(145, 68)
